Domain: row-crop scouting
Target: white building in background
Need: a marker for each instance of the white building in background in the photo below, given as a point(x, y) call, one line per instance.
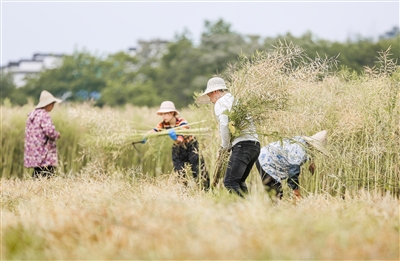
point(39, 62)
point(148, 52)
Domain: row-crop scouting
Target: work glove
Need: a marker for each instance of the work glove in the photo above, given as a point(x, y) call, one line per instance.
point(144, 141)
point(172, 134)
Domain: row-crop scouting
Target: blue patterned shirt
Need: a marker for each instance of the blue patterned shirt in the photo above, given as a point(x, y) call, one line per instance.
point(282, 159)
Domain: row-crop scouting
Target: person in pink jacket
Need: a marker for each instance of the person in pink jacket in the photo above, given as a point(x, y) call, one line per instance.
point(40, 151)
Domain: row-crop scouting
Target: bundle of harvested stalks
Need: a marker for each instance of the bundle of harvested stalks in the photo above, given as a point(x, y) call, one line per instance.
point(221, 165)
point(138, 137)
point(111, 134)
point(260, 85)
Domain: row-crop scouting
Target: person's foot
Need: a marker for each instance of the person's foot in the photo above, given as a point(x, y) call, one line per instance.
point(243, 187)
point(296, 194)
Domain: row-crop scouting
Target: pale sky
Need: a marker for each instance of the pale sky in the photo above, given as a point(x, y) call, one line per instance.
point(102, 27)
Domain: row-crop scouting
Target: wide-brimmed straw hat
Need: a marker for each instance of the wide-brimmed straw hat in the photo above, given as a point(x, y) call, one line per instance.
point(318, 141)
point(214, 84)
point(167, 106)
point(46, 98)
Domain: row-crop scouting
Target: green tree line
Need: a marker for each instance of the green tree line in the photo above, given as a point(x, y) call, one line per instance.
point(182, 70)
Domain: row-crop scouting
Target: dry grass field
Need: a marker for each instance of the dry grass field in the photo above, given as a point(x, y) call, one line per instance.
point(112, 201)
point(105, 218)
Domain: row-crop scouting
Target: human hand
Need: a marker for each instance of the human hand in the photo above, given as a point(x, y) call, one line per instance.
point(143, 141)
point(311, 168)
point(172, 134)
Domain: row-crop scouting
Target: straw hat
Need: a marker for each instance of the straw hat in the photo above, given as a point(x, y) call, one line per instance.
point(167, 106)
point(45, 99)
point(214, 84)
point(318, 141)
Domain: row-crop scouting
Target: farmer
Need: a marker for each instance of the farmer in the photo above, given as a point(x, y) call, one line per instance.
point(185, 148)
point(40, 152)
point(244, 148)
point(282, 160)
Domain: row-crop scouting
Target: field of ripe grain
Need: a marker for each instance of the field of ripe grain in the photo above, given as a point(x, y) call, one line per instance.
point(111, 200)
point(361, 116)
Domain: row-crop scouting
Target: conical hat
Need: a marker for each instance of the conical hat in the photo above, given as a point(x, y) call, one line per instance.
point(318, 141)
point(45, 99)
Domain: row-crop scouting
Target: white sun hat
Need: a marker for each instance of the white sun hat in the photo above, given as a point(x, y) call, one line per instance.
point(167, 106)
point(214, 84)
point(318, 141)
point(46, 98)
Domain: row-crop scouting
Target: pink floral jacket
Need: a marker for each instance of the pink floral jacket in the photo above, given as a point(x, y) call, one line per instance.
point(40, 140)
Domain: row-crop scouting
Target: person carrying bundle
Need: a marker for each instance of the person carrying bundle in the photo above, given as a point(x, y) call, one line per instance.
point(244, 148)
point(185, 149)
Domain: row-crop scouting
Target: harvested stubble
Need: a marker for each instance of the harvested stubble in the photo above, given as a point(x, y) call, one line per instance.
point(102, 218)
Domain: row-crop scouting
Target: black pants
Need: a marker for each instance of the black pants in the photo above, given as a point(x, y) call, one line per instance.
point(271, 184)
point(241, 161)
point(189, 153)
point(43, 172)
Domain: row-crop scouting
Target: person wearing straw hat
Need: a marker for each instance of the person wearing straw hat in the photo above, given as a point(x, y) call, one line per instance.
point(185, 149)
point(40, 151)
point(283, 159)
point(244, 148)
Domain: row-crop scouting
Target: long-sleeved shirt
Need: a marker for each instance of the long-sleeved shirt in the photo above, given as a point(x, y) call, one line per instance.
point(223, 105)
point(283, 159)
point(40, 140)
point(179, 122)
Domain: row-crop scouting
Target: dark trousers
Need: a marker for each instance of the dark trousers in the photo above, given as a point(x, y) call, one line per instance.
point(271, 184)
point(43, 172)
point(244, 155)
point(188, 153)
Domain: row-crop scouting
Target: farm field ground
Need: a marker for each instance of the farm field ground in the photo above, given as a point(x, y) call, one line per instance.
point(107, 218)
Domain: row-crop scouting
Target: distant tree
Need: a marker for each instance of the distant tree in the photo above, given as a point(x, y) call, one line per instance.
point(126, 83)
point(353, 54)
point(174, 70)
point(178, 68)
point(219, 46)
point(185, 68)
point(138, 94)
point(393, 43)
point(252, 43)
point(79, 78)
point(9, 92)
point(391, 34)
